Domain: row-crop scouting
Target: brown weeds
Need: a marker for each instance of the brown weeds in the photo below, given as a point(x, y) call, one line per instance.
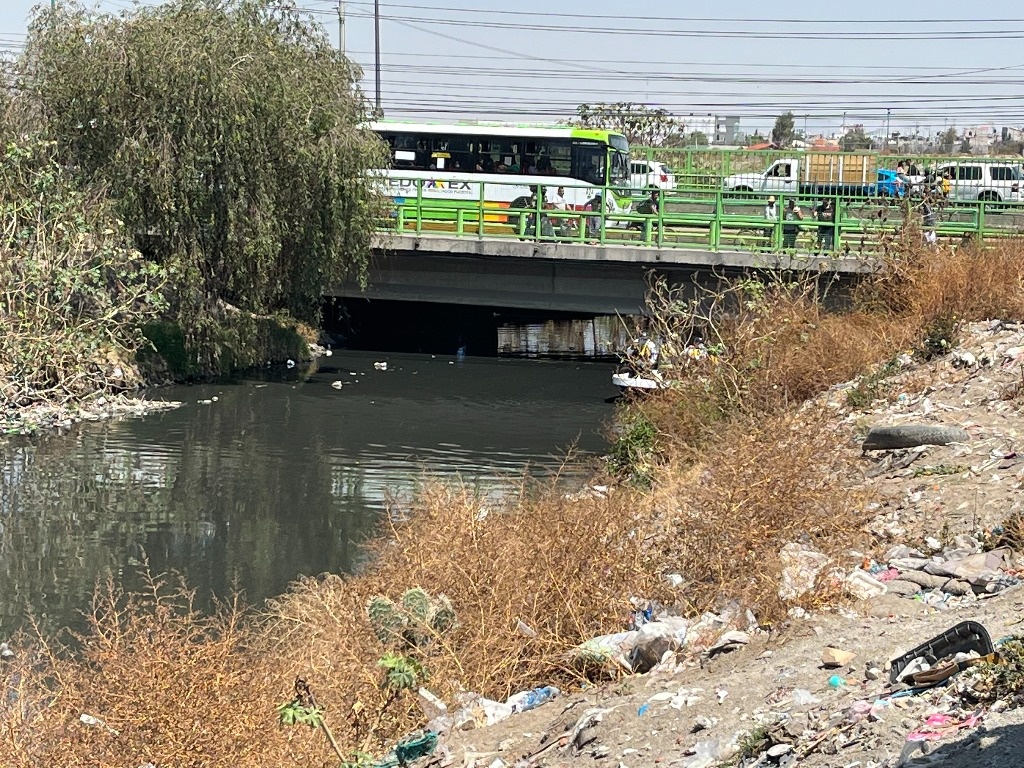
point(766, 483)
point(564, 567)
point(152, 681)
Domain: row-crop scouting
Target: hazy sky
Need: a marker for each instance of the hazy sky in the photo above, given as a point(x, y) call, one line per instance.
point(962, 64)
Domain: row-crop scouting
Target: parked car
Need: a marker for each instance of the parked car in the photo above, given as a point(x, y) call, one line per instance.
point(650, 174)
point(987, 182)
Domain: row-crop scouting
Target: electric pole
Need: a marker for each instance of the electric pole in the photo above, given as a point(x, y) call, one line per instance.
point(341, 25)
point(888, 112)
point(376, 50)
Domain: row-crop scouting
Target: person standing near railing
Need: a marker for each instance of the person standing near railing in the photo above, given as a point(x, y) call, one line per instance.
point(771, 213)
point(790, 229)
point(825, 213)
point(928, 221)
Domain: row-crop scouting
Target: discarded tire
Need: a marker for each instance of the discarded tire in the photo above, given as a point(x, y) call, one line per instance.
point(912, 435)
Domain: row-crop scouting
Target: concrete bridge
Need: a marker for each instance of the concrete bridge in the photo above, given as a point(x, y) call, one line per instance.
point(472, 253)
point(599, 279)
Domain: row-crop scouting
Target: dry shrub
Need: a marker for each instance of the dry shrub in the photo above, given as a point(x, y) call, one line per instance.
point(777, 345)
point(766, 483)
point(565, 567)
point(168, 686)
point(973, 282)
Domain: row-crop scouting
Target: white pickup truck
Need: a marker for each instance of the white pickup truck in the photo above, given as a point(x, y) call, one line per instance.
point(825, 173)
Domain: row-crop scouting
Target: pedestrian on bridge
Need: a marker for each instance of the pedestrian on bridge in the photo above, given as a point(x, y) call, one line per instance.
point(790, 229)
point(771, 213)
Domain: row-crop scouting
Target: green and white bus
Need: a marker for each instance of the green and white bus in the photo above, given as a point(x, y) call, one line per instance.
point(462, 164)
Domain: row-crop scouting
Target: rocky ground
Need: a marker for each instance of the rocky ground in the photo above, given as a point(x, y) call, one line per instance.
point(944, 554)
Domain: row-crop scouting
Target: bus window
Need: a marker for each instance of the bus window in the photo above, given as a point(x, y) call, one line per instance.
point(588, 161)
point(551, 157)
point(619, 175)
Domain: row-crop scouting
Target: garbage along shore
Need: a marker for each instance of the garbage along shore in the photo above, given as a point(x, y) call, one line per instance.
point(41, 417)
point(914, 655)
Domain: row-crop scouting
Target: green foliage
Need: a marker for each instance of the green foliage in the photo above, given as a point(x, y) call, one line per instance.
point(640, 124)
point(697, 139)
point(753, 744)
point(873, 385)
point(784, 130)
point(1004, 679)
point(947, 140)
point(75, 291)
point(416, 603)
point(401, 672)
point(633, 452)
point(941, 334)
point(296, 713)
point(228, 132)
point(386, 618)
point(941, 470)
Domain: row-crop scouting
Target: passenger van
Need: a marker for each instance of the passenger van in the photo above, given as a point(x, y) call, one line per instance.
point(984, 182)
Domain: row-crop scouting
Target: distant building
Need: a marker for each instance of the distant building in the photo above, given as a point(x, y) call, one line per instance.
point(980, 138)
point(1012, 134)
point(720, 129)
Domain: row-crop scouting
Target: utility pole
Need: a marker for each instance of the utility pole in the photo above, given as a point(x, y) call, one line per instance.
point(341, 25)
point(376, 51)
point(805, 129)
point(888, 112)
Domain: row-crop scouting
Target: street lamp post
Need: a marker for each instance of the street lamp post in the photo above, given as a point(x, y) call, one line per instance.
point(341, 25)
point(376, 51)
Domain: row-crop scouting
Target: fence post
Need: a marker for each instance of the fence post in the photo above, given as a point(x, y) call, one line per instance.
point(419, 206)
point(981, 221)
point(480, 202)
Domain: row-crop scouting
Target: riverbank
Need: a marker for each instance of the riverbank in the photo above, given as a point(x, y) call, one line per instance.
point(776, 507)
point(39, 417)
point(730, 687)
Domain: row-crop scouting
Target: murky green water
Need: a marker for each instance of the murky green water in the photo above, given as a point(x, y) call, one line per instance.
point(273, 478)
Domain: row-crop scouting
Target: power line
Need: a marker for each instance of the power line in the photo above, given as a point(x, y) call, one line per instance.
point(701, 19)
point(781, 34)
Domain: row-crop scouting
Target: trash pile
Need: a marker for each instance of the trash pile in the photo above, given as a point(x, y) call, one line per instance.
point(952, 575)
point(945, 686)
point(657, 636)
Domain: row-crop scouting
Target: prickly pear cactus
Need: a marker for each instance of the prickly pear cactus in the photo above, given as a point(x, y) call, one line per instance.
point(417, 605)
point(444, 615)
point(415, 622)
point(386, 618)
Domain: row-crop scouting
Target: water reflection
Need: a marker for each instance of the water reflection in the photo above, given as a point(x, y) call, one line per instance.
point(272, 478)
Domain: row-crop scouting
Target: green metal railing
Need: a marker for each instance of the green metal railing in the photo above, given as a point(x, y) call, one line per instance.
point(704, 219)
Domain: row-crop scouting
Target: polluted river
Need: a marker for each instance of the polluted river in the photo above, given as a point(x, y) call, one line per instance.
point(253, 482)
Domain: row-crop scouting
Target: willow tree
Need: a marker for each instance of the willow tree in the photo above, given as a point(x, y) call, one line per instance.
point(228, 134)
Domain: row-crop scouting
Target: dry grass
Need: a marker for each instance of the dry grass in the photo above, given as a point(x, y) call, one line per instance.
point(167, 685)
point(971, 283)
point(564, 567)
point(766, 483)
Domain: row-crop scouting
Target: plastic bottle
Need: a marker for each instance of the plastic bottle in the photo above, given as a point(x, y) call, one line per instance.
point(525, 700)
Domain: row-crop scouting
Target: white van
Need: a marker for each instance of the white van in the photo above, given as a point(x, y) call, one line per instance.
point(984, 182)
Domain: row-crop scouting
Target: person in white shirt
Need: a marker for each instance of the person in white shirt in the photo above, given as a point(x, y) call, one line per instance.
point(558, 200)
